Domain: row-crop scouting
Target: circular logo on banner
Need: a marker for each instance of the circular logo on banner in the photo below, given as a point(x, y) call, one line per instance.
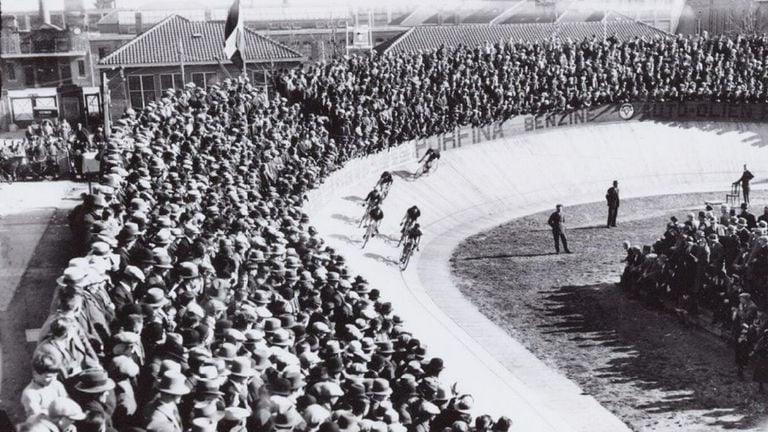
point(626, 111)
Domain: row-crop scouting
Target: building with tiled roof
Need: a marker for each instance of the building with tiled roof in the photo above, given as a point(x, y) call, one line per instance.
point(425, 38)
point(195, 42)
point(177, 51)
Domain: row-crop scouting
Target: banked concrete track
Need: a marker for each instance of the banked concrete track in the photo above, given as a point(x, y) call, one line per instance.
point(478, 187)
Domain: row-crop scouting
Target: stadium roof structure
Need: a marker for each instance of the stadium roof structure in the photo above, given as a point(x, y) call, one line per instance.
point(426, 38)
point(198, 42)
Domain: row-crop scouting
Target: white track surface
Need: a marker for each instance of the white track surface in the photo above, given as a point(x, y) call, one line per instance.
point(478, 187)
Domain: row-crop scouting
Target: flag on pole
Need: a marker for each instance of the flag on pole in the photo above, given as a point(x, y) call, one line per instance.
point(234, 35)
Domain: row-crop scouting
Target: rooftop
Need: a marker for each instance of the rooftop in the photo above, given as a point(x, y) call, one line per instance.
point(426, 38)
point(200, 43)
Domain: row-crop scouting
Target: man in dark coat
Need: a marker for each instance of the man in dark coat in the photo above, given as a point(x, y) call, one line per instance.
point(745, 178)
point(750, 218)
point(557, 223)
point(612, 196)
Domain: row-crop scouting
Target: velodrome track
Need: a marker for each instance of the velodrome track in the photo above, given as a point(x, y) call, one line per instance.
point(478, 187)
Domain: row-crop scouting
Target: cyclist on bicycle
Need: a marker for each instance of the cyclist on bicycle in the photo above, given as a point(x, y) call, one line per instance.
point(429, 157)
point(413, 239)
point(373, 199)
point(411, 215)
point(375, 215)
point(385, 181)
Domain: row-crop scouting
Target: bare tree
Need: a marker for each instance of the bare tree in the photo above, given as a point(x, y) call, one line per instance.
point(750, 21)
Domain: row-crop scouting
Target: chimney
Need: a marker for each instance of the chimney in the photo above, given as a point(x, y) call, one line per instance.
point(139, 24)
point(208, 14)
point(45, 14)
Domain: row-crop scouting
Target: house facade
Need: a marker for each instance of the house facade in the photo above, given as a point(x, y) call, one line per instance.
point(177, 51)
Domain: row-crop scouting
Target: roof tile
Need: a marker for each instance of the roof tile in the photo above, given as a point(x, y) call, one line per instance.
point(426, 38)
point(202, 42)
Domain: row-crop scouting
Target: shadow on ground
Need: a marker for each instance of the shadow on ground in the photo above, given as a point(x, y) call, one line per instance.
point(604, 317)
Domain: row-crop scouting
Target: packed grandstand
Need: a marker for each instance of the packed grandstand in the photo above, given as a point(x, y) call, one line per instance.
point(202, 298)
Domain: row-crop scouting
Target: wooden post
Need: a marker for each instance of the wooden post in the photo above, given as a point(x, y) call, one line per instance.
point(105, 104)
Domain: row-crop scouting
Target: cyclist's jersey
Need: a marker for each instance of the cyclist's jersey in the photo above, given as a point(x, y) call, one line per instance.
point(413, 213)
point(414, 233)
point(376, 214)
point(373, 197)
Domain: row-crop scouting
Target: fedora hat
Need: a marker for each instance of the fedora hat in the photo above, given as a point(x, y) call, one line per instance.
point(380, 387)
point(272, 325)
point(261, 360)
point(202, 424)
point(173, 383)
point(205, 387)
point(66, 408)
point(280, 387)
point(188, 270)
point(155, 298)
point(241, 367)
point(280, 338)
point(72, 276)
point(163, 237)
point(94, 381)
point(385, 348)
point(207, 409)
point(286, 420)
point(226, 351)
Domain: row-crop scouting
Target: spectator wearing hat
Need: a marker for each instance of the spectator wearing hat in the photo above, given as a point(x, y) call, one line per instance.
point(162, 413)
point(94, 391)
point(124, 372)
point(749, 217)
point(160, 275)
point(62, 414)
point(76, 354)
point(122, 292)
point(240, 390)
point(45, 386)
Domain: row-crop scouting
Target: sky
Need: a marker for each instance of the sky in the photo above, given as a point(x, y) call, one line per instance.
point(27, 5)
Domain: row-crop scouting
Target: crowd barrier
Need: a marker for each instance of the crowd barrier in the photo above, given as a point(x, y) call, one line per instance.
point(636, 111)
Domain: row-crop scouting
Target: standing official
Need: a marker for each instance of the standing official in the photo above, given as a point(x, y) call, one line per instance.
point(557, 223)
point(745, 178)
point(612, 196)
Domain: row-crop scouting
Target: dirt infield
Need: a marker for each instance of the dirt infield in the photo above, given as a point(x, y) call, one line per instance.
point(642, 364)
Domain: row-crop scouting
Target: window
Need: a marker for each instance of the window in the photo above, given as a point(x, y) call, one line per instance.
point(81, 68)
point(11, 71)
point(141, 89)
point(171, 81)
point(103, 52)
point(204, 79)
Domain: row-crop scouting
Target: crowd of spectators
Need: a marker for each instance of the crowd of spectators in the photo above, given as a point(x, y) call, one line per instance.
point(45, 146)
point(713, 264)
point(201, 299)
point(380, 100)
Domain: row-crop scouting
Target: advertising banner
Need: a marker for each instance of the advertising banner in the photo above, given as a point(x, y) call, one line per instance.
point(635, 111)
